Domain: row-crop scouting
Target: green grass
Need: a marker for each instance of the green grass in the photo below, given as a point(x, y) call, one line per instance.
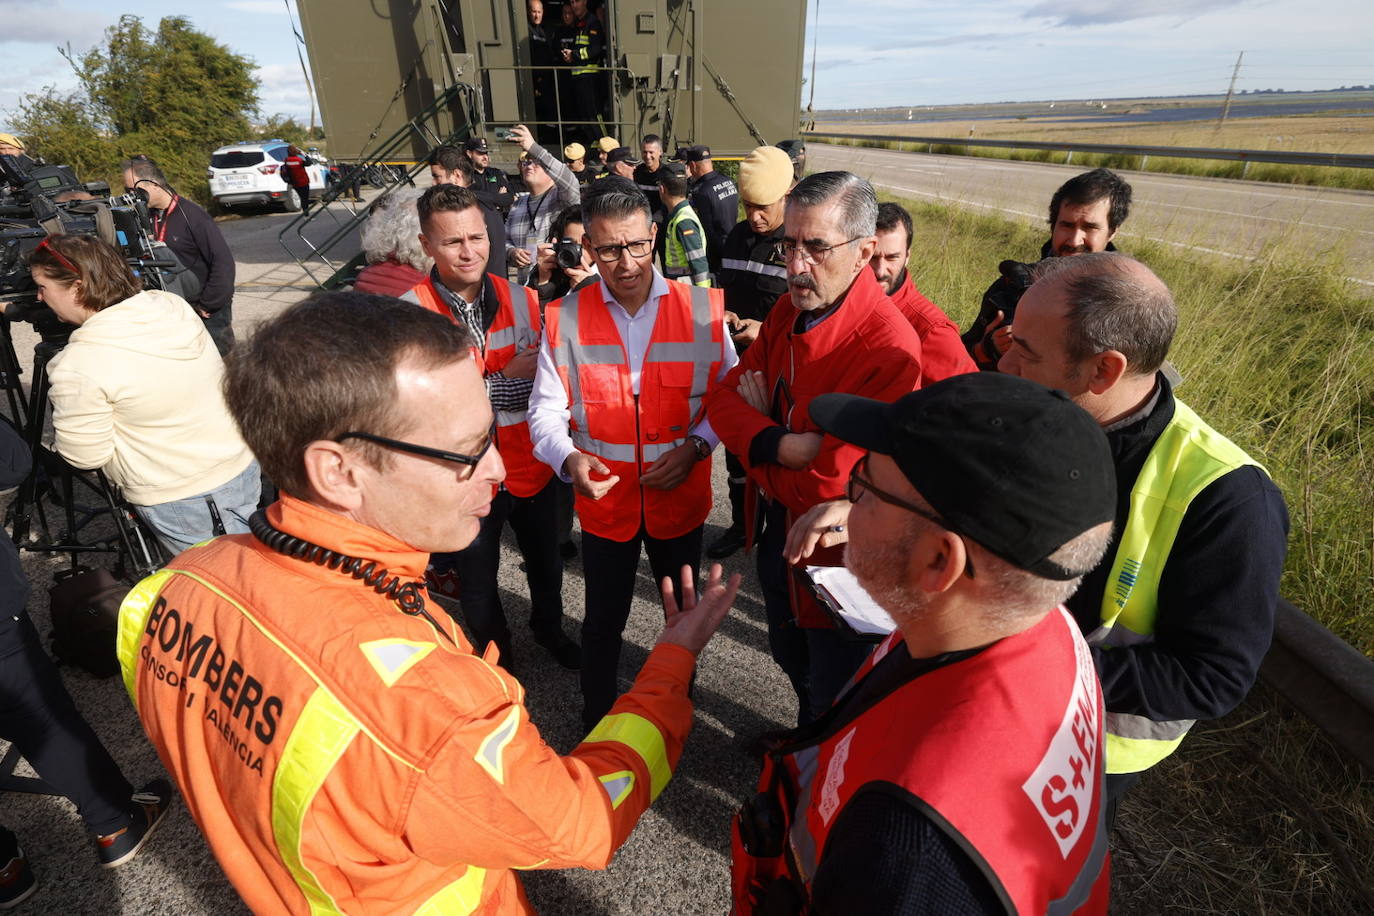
point(1321, 176)
point(1276, 353)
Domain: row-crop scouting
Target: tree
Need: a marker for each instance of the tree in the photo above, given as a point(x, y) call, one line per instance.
point(174, 95)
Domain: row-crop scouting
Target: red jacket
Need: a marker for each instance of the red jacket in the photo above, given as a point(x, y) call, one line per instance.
point(388, 278)
point(1003, 751)
point(942, 352)
point(864, 347)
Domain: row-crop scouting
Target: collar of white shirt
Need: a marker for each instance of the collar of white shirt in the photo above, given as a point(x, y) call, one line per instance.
point(657, 290)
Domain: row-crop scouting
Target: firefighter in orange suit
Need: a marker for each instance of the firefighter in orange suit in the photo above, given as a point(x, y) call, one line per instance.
point(504, 319)
point(334, 735)
point(619, 411)
point(962, 769)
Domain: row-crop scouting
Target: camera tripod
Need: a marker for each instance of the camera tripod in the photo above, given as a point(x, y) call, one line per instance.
point(135, 548)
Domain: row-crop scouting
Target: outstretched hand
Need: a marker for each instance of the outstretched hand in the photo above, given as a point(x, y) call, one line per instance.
point(694, 623)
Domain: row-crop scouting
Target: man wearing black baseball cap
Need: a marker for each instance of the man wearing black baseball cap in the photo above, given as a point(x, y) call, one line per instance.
point(962, 770)
point(714, 197)
point(490, 179)
point(623, 162)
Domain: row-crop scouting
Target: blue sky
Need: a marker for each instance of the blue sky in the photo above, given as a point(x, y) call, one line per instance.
point(871, 52)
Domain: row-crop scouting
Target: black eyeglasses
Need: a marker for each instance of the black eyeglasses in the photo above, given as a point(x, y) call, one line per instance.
point(858, 482)
point(470, 460)
point(637, 249)
point(810, 252)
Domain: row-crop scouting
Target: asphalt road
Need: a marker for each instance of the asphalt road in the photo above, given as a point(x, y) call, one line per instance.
point(676, 862)
point(1222, 217)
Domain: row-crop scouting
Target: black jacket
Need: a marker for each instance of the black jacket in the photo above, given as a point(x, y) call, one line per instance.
point(716, 201)
point(1217, 594)
point(197, 241)
point(15, 461)
point(751, 273)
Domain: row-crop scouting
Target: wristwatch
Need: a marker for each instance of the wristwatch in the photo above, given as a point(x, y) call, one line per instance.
point(703, 447)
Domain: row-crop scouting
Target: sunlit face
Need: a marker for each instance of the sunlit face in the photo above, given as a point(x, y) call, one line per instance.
point(479, 159)
point(819, 286)
point(9, 149)
point(1039, 349)
point(429, 503)
point(441, 175)
point(629, 278)
point(458, 243)
point(62, 298)
point(881, 536)
point(764, 218)
point(158, 198)
point(1081, 228)
point(536, 179)
point(889, 258)
point(653, 155)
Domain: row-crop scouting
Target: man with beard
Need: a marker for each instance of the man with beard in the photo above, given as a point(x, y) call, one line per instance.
point(1085, 214)
point(981, 502)
point(942, 352)
point(835, 330)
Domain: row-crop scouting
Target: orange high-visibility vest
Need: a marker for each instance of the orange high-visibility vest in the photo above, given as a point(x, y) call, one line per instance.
point(630, 433)
point(511, 330)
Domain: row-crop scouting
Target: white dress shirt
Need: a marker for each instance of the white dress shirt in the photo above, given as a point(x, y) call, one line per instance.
point(548, 413)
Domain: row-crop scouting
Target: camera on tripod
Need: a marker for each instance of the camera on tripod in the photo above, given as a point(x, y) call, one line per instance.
point(37, 201)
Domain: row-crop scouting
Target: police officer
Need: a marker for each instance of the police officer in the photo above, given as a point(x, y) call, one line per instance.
point(684, 256)
point(753, 277)
point(490, 179)
point(714, 197)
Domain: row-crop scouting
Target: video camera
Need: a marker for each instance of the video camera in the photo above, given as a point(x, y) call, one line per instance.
point(30, 211)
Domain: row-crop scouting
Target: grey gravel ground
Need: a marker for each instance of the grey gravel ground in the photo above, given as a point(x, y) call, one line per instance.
point(677, 861)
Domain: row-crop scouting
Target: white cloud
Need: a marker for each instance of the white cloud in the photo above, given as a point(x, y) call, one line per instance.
point(283, 91)
point(27, 22)
point(1077, 13)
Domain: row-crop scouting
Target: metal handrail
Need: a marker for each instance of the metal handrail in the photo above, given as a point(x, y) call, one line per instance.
point(1247, 156)
point(418, 125)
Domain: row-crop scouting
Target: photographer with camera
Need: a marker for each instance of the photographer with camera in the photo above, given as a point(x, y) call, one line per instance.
point(195, 239)
point(561, 263)
point(136, 393)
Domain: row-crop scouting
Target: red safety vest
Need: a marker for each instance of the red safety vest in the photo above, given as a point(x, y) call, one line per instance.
point(629, 433)
point(511, 330)
point(1003, 750)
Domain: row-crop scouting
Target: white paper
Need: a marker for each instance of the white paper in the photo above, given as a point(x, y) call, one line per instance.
point(856, 606)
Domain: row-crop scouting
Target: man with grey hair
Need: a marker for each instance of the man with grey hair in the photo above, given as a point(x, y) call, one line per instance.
point(618, 412)
point(834, 331)
point(1181, 615)
point(962, 770)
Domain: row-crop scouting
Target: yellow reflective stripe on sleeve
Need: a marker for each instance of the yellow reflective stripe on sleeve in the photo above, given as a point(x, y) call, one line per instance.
point(490, 753)
point(133, 620)
point(641, 736)
point(319, 738)
point(459, 898)
point(618, 786)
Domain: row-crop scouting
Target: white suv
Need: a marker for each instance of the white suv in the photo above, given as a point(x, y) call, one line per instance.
point(251, 174)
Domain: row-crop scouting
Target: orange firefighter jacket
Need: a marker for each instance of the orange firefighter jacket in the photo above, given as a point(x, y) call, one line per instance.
point(342, 756)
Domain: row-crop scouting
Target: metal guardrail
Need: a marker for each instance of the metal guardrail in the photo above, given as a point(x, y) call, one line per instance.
point(1325, 679)
point(1247, 156)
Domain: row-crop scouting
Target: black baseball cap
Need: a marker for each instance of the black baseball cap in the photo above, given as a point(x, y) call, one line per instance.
point(476, 145)
point(698, 153)
point(1002, 460)
point(623, 154)
point(674, 169)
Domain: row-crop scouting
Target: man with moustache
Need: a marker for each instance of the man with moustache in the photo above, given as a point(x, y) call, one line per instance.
point(618, 411)
point(834, 331)
point(1085, 214)
point(942, 352)
point(504, 320)
point(753, 276)
point(337, 739)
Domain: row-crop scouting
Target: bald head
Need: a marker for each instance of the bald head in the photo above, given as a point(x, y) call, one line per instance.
point(1112, 302)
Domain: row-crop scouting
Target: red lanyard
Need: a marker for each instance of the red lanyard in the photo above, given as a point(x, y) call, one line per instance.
point(160, 225)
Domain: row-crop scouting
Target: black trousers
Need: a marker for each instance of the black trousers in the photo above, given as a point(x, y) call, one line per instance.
point(610, 568)
point(38, 716)
point(535, 523)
